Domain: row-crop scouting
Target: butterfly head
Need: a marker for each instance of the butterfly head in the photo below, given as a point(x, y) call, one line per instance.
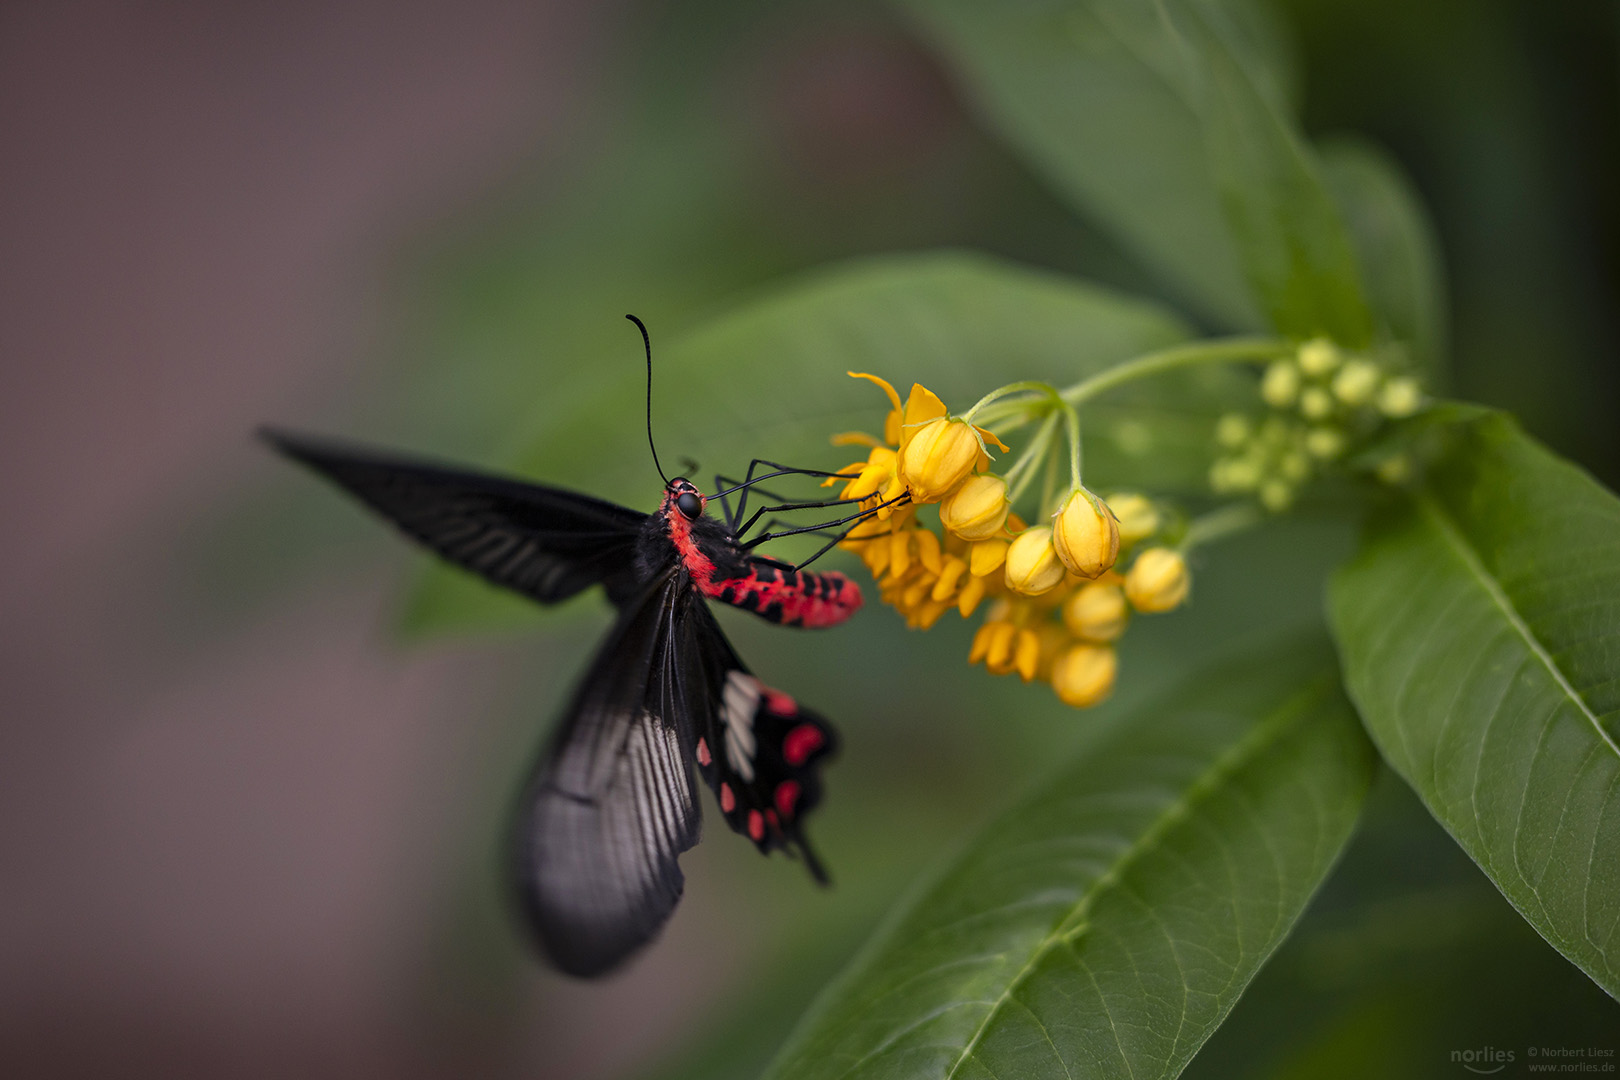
point(682, 496)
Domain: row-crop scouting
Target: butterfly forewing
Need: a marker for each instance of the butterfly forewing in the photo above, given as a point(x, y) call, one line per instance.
point(542, 542)
point(613, 804)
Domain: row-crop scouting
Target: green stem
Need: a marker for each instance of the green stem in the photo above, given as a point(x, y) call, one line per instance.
point(1035, 452)
point(1049, 484)
point(1220, 523)
point(1028, 386)
point(1071, 417)
point(1218, 351)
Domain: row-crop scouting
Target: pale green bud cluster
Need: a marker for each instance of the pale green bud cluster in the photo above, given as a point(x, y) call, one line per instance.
point(1323, 399)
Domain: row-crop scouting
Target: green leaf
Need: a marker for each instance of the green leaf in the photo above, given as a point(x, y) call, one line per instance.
point(1168, 123)
point(1396, 246)
point(1105, 926)
point(1480, 633)
point(769, 380)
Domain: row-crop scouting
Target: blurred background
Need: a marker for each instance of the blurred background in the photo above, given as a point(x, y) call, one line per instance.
point(250, 809)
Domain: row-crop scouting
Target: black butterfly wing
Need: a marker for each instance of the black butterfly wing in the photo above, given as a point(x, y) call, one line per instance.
point(542, 542)
point(614, 803)
point(758, 749)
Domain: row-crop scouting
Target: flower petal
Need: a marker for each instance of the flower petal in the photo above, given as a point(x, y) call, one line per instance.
point(894, 395)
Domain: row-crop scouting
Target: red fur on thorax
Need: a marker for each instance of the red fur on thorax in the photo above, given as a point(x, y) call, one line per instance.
point(698, 565)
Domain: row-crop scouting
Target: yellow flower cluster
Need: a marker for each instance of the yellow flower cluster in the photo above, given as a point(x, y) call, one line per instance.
point(1321, 399)
point(1056, 604)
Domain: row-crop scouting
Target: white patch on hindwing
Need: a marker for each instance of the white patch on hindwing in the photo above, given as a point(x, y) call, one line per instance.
point(737, 706)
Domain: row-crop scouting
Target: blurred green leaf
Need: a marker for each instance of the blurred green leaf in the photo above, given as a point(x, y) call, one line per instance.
point(1112, 920)
point(1293, 244)
point(768, 379)
point(1168, 122)
point(1089, 95)
point(1396, 246)
point(1480, 632)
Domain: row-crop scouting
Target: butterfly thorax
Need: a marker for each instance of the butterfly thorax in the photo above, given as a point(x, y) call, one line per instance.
point(723, 570)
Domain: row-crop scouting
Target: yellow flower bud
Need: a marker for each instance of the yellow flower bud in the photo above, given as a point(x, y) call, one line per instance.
point(1316, 403)
point(1318, 356)
point(1234, 474)
point(1395, 470)
point(1033, 566)
point(1400, 398)
point(1096, 612)
point(1084, 674)
point(1138, 518)
point(1086, 535)
point(1324, 442)
point(1157, 581)
point(1280, 385)
point(1293, 466)
point(938, 457)
point(1357, 382)
point(977, 509)
point(1232, 430)
point(1276, 495)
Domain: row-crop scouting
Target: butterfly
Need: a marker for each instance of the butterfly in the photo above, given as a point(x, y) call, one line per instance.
point(613, 800)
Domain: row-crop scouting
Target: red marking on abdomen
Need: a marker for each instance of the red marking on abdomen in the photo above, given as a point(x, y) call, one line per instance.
point(793, 599)
point(800, 743)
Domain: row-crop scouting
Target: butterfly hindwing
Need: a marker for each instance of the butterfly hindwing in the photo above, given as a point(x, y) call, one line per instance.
point(613, 803)
point(542, 542)
point(759, 750)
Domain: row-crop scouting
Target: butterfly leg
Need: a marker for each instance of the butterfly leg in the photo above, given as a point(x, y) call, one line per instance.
point(781, 470)
point(821, 504)
point(857, 518)
point(723, 491)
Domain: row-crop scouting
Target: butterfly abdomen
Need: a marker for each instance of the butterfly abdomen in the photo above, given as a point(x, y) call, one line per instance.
point(790, 597)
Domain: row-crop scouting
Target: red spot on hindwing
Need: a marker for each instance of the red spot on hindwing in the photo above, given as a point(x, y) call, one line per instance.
point(787, 797)
point(780, 704)
point(800, 743)
point(703, 753)
point(756, 826)
point(728, 801)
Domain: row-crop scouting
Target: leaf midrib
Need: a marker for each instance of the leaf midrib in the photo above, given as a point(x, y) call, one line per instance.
point(1073, 925)
point(1465, 553)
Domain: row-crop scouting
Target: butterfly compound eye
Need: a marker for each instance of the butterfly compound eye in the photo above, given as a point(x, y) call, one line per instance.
point(691, 504)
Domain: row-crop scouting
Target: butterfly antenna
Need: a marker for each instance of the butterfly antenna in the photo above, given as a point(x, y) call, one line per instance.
point(647, 342)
